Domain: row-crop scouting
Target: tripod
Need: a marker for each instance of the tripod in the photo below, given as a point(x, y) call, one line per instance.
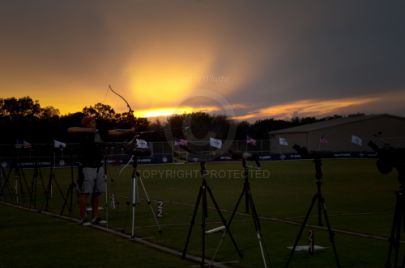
point(69, 193)
point(202, 197)
point(136, 177)
point(2, 176)
point(5, 181)
point(318, 197)
point(249, 204)
point(19, 182)
point(49, 189)
point(37, 174)
point(397, 222)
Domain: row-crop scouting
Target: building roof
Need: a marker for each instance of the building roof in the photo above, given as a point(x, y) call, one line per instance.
point(331, 123)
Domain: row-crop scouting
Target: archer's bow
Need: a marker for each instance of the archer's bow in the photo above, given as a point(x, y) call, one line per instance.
point(126, 102)
point(130, 113)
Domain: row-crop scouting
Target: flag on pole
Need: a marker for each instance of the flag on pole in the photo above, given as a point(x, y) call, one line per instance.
point(22, 144)
point(357, 140)
point(59, 144)
point(180, 142)
point(250, 140)
point(26, 144)
point(141, 144)
point(323, 140)
point(283, 141)
point(216, 143)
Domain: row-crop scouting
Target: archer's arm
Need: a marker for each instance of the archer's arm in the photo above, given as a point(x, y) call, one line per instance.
point(121, 132)
point(74, 130)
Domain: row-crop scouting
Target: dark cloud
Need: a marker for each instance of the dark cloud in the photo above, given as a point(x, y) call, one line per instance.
point(270, 52)
point(335, 50)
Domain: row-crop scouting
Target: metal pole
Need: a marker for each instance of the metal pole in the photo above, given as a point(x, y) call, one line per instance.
point(134, 191)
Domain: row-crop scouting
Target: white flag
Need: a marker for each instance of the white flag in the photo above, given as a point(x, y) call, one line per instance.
point(283, 141)
point(323, 140)
point(180, 142)
point(142, 144)
point(216, 143)
point(58, 144)
point(250, 140)
point(357, 140)
point(22, 144)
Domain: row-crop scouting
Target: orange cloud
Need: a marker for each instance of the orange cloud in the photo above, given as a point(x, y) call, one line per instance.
point(308, 108)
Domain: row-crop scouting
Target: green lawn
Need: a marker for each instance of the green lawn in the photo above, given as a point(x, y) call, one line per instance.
point(358, 198)
point(33, 240)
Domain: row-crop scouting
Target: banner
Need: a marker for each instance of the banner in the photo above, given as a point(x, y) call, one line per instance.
point(216, 143)
point(323, 140)
point(58, 144)
point(180, 142)
point(22, 144)
point(283, 141)
point(250, 140)
point(357, 140)
point(142, 144)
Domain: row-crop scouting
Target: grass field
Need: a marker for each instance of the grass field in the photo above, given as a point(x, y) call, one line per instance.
point(359, 200)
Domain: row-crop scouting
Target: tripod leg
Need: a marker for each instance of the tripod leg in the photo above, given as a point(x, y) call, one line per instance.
point(71, 199)
point(62, 194)
point(40, 179)
point(243, 193)
point(403, 222)
point(17, 191)
point(397, 239)
point(133, 204)
point(17, 186)
point(27, 187)
point(229, 223)
point(48, 190)
point(5, 183)
point(247, 205)
point(20, 187)
point(34, 187)
point(256, 221)
point(330, 231)
point(203, 222)
point(395, 229)
point(320, 206)
point(301, 230)
point(69, 193)
point(197, 203)
point(150, 204)
point(106, 205)
point(224, 222)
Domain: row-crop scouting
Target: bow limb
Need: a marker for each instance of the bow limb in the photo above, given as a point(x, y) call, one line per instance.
point(126, 102)
point(130, 111)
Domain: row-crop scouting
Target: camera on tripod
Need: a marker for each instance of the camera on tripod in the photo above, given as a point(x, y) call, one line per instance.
point(237, 155)
point(303, 151)
point(307, 154)
point(137, 148)
point(389, 158)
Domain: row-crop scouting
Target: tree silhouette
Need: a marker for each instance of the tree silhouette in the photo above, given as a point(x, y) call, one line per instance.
point(101, 111)
point(24, 118)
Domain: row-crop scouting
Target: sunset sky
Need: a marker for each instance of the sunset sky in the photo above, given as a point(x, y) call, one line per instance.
point(248, 59)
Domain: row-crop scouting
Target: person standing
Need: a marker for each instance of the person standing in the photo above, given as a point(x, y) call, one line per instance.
point(91, 182)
